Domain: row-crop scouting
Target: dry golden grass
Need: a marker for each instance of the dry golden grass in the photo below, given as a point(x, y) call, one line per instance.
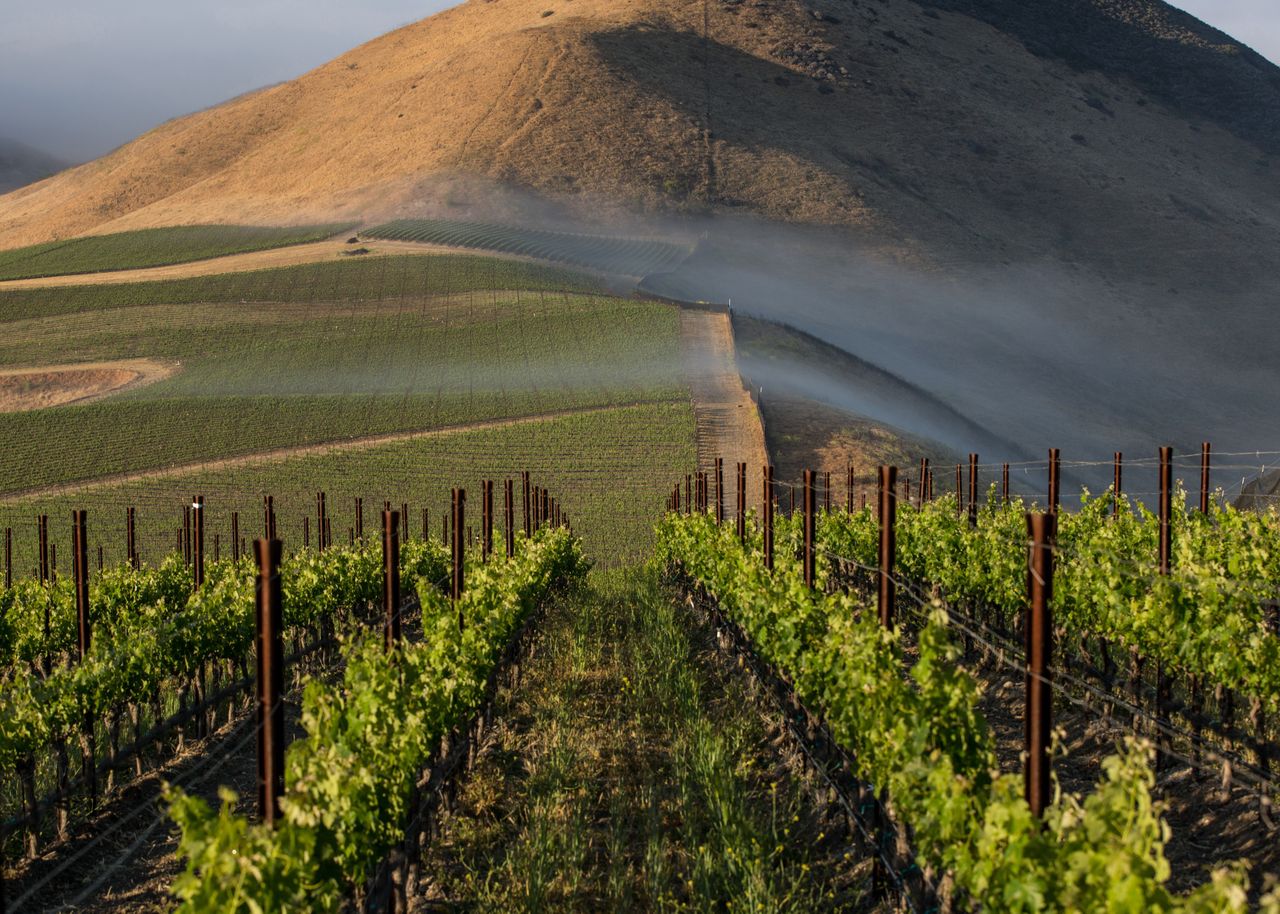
point(933, 135)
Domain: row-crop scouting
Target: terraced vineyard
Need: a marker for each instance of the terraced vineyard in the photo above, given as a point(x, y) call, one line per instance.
point(604, 253)
point(153, 248)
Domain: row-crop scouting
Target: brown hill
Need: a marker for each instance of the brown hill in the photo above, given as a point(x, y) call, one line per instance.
point(1061, 218)
point(991, 126)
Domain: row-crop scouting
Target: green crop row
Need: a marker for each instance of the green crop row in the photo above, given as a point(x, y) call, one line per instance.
point(922, 740)
point(153, 248)
point(349, 780)
point(605, 467)
point(1208, 619)
point(356, 279)
point(149, 630)
point(251, 379)
point(608, 254)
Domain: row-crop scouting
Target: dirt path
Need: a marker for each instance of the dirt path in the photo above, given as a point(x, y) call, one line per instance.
point(634, 769)
point(728, 422)
point(307, 449)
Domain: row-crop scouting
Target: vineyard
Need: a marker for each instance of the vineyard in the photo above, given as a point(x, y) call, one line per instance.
point(152, 248)
point(378, 359)
point(873, 633)
point(371, 604)
point(603, 253)
point(888, 625)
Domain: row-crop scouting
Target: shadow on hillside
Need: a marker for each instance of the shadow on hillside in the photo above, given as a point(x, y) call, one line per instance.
point(1239, 92)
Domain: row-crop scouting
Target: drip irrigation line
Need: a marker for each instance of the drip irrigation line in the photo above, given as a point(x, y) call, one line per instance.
point(204, 774)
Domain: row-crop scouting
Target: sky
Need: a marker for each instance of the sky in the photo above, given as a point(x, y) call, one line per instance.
point(80, 77)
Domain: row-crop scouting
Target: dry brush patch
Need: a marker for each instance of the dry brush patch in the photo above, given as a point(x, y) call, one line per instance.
point(46, 386)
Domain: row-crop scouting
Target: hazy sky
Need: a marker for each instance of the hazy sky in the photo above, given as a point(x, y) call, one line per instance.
point(80, 77)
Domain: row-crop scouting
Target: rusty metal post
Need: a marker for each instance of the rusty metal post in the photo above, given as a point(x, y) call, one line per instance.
point(1038, 726)
point(959, 490)
point(719, 490)
point(42, 535)
point(270, 681)
point(488, 519)
point(906, 490)
point(404, 521)
point(826, 492)
point(524, 481)
point(1055, 479)
point(320, 521)
point(1115, 487)
point(810, 506)
point(459, 546)
point(426, 524)
point(742, 503)
point(688, 493)
point(235, 537)
point(80, 578)
point(197, 539)
point(848, 488)
point(359, 518)
point(924, 480)
point(767, 518)
point(1166, 507)
point(1163, 685)
point(1204, 478)
point(973, 490)
point(888, 591)
point(130, 536)
point(510, 515)
point(80, 572)
point(391, 577)
point(306, 532)
point(1004, 483)
point(545, 516)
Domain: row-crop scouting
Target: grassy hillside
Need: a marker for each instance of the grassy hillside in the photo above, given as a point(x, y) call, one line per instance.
point(354, 376)
point(153, 248)
point(363, 279)
point(398, 355)
point(608, 253)
point(609, 468)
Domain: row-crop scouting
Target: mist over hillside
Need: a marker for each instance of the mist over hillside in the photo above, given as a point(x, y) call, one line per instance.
point(1061, 219)
point(21, 165)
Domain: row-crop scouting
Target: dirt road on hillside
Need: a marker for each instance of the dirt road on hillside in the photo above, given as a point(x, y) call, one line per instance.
point(728, 422)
